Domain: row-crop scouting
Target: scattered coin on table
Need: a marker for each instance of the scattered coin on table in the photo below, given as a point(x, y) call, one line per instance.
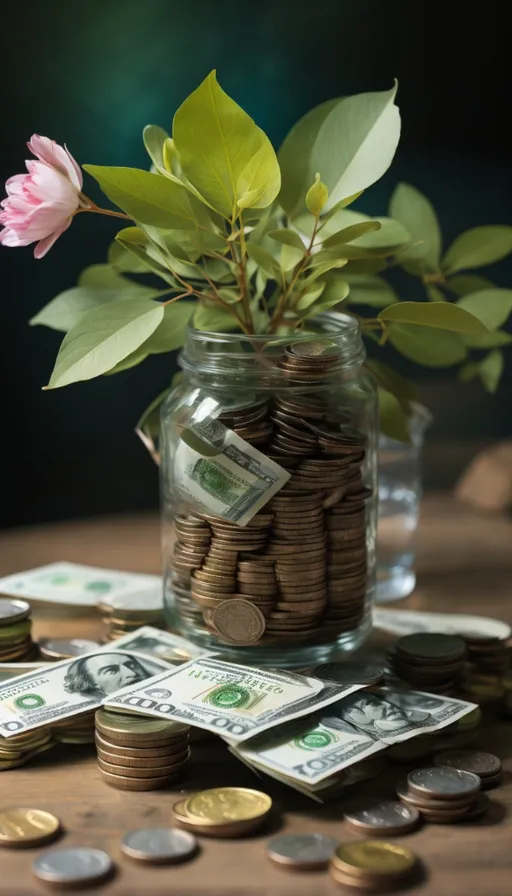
point(159, 846)
point(27, 827)
point(65, 648)
point(485, 765)
point(350, 672)
point(223, 811)
point(301, 852)
point(372, 865)
point(73, 867)
point(383, 818)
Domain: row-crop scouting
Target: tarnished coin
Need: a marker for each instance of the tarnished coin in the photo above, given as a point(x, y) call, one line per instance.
point(383, 818)
point(374, 860)
point(239, 622)
point(66, 648)
point(430, 647)
point(27, 827)
point(485, 765)
point(301, 852)
point(12, 611)
point(350, 673)
point(159, 846)
point(222, 805)
point(443, 783)
point(74, 866)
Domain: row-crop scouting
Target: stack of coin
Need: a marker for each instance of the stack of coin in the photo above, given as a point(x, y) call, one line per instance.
point(383, 818)
point(15, 631)
point(140, 753)
point(223, 811)
point(485, 677)
point(22, 748)
point(442, 795)
point(429, 662)
point(78, 729)
point(485, 765)
point(302, 559)
point(56, 649)
point(373, 865)
point(123, 614)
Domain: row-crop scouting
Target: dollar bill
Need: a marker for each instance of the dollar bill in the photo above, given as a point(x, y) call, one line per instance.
point(76, 585)
point(164, 645)
point(348, 731)
point(408, 622)
point(229, 699)
point(218, 472)
point(65, 689)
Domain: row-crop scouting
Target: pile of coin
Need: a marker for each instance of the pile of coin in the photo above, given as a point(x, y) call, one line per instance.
point(301, 561)
point(140, 753)
point(79, 729)
point(429, 662)
point(22, 748)
point(16, 642)
point(443, 795)
point(383, 818)
point(123, 614)
point(373, 865)
point(485, 765)
point(56, 649)
point(223, 811)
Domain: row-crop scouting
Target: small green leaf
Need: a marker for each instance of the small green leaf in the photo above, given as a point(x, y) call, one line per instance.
point(320, 269)
point(478, 247)
point(468, 371)
point(364, 266)
point(350, 233)
point(336, 290)
point(309, 297)
point(265, 260)
point(493, 339)
point(491, 306)
point(374, 291)
point(434, 293)
point(289, 258)
point(491, 369)
point(288, 237)
point(214, 318)
point(154, 139)
point(147, 198)
point(231, 296)
point(146, 257)
point(222, 152)
point(427, 346)
point(316, 197)
point(442, 315)
point(393, 422)
point(102, 276)
point(388, 378)
point(124, 261)
point(463, 284)
point(104, 337)
point(170, 332)
point(417, 215)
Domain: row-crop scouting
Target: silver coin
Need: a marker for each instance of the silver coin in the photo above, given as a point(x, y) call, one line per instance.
point(159, 845)
point(308, 851)
point(388, 816)
point(350, 673)
point(73, 865)
point(443, 782)
point(141, 602)
point(13, 610)
point(64, 647)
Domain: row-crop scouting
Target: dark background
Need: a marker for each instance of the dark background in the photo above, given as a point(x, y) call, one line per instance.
point(93, 74)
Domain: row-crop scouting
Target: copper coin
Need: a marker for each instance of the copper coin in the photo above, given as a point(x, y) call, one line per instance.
point(166, 760)
point(144, 773)
point(121, 782)
point(141, 753)
point(239, 622)
point(485, 765)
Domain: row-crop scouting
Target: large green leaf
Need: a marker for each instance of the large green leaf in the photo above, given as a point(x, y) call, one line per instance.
point(350, 142)
point(417, 215)
point(288, 238)
point(223, 153)
point(147, 198)
point(393, 421)
point(364, 266)
point(373, 291)
point(351, 233)
point(103, 276)
point(478, 247)
point(390, 234)
point(463, 284)
point(491, 306)
point(490, 370)
point(442, 315)
point(434, 294)
point(214, 318)
point(492, 339)
point(66, 309)
point(427, 346)
point(104, 337)
point(388, 378)
point(125, 261)
point(168, 336)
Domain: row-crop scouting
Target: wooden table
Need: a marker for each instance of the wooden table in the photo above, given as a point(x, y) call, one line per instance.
point(465, 563)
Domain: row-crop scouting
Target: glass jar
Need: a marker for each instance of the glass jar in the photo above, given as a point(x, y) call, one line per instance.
point(305, 561)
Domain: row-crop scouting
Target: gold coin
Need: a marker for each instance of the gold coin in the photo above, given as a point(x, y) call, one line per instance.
point(122, 783)
point(131, 729)
point(27, 827)
point(225, 805)
point(143, 763)
point(170, 748)
point(130, 771)
point(373, 857)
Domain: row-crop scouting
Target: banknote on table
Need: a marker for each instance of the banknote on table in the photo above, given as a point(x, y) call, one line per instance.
point(218, 472)
point(69, 688)
point(352, 729)
point(164, 645)
point(228, 699)
point(408, 622)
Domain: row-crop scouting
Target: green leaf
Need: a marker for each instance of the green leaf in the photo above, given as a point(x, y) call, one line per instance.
point(491, 306)
point(309, 297)
point(136, 357)
point(170, 332)
point(316, 197)
point(351, 141)
point(393, 422)
point(320, 269)
point(468, 371)
point(373, 291)
point(350, 233)
point(223, 153)
point(490, 370)
point(104, 337)
point(124, 261)
point(478, 247)
point(214, 318)
point(493, 339)
point(66, 309)
point(427, 346)
point(388, 378)
point(463, 284)
point(442, 315)
point(364, 266)
point(288, 237)
point(390, 234)
point(417, 215)
point(265, 260)
point(103, 276)
point(144, 257)
point(336, 290)
point(154, 139)
point(290, 257)
point(434, 294)
point(147, 198)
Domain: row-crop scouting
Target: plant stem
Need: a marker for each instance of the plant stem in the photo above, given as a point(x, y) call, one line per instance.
point(281, 305)
point(242, 278)
point(92, 207)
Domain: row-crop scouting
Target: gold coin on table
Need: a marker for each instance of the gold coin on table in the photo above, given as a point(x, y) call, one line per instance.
point(224, 805)
point(239, 622)
point(373, 857)
point(120, 782)
point(27, 827)
point(127, 728)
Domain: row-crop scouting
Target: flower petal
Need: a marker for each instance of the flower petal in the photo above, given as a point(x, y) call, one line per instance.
point(45, 244)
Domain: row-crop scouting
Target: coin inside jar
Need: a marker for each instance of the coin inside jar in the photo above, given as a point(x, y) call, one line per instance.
point(301, 852)
point(239, 622)
point(27, 827)
point(443, 782)
point(159, 846)
point(383, 817)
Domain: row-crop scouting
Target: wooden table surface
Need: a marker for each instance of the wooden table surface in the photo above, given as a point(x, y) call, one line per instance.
point(464, 564)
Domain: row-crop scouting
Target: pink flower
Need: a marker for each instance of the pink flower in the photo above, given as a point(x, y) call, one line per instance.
point(40, 205)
